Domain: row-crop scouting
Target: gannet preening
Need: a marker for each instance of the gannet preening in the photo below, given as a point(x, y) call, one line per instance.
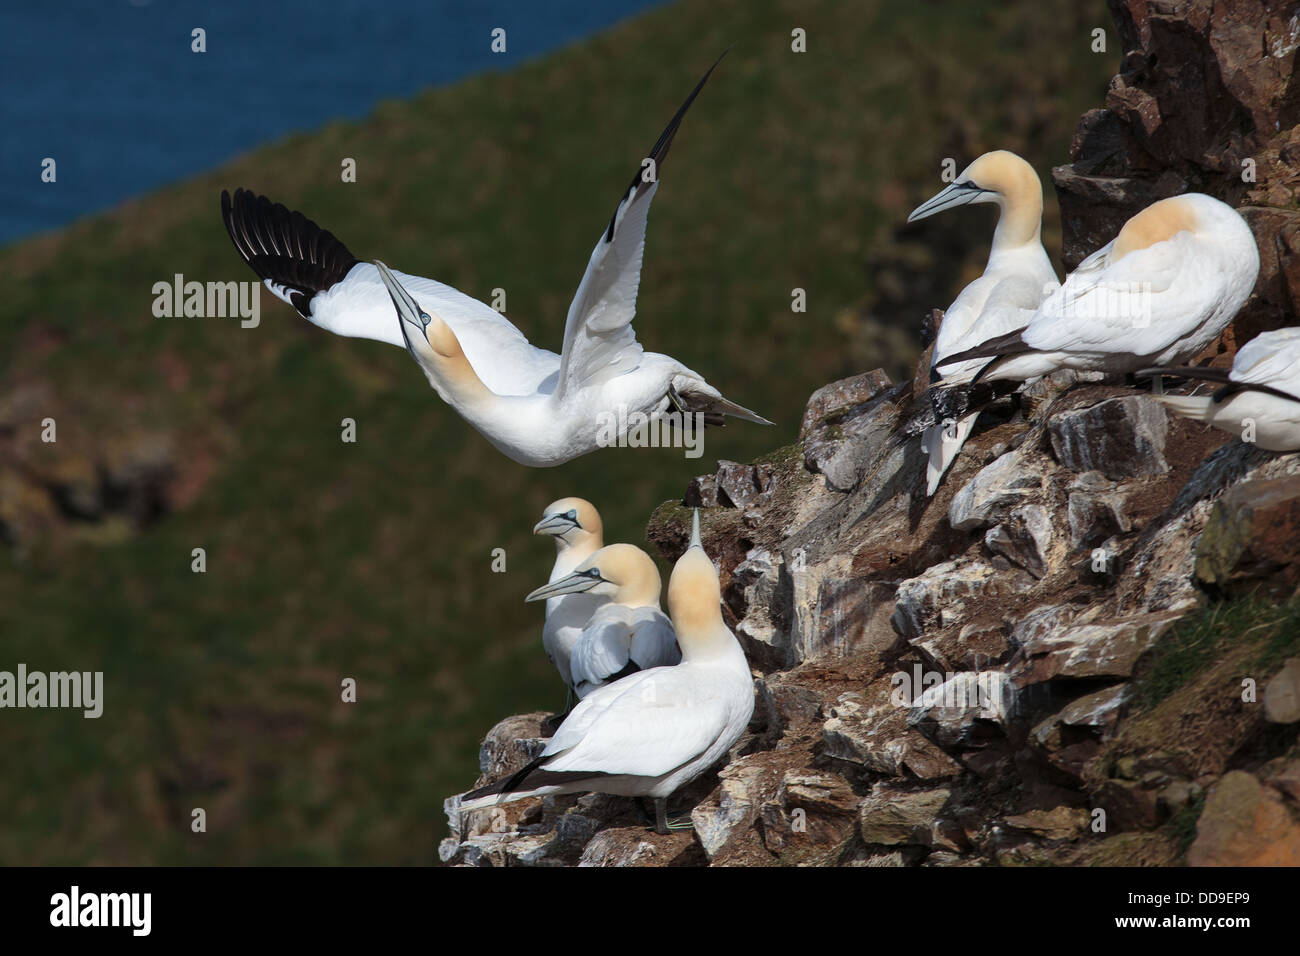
point(626, 633)
point(655, 730)
point(576, 526)
point(536, 407)
point(1157, 294)
point(1018, 277)
point(1257, 400)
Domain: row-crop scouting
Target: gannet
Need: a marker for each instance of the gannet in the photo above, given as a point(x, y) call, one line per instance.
point(536, 407)
point(576, 526)
point(1257, 400)
point(1016, 279)
point(1157, 294)
point(625, 634)
point(655, 730)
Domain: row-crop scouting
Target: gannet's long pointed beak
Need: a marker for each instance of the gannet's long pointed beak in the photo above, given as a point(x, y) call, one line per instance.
point(408, 310)
point(695, 530)
point(575, 583)
point(556, 525)
point(957, 194)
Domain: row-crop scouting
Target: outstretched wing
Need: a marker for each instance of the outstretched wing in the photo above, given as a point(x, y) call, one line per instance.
point(598, 338)
point(314, 272)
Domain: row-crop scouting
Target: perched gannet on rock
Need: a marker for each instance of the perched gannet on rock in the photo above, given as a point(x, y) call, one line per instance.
point(653, 731)
point(626, 633)
point(576, 526)
point(536, 407)
point(1157, 294)
point(1257, 400)
point(1016, 279)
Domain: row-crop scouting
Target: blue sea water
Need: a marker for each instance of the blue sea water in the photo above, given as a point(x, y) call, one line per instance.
point(111, 90)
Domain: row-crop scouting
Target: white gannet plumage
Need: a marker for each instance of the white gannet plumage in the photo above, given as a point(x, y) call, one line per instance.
point(655, 730)
point(535, 406)
point(1257, 400)
point(1157, 294)
point(579, 533)
point(628, 632)
point(1017, 278)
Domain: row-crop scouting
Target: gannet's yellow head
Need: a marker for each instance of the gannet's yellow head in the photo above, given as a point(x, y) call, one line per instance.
point(1158, 222)
point(572, 522)
point(622, 572)
point(999, 177)
point(695, 600)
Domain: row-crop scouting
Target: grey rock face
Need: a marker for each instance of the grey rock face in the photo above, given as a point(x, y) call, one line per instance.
point(1120, 437)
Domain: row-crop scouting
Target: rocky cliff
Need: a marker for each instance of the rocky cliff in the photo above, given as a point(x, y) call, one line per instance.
point(1086, 647)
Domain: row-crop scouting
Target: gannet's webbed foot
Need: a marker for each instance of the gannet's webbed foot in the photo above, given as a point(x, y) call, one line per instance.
point(712, 415)
point(675, 400)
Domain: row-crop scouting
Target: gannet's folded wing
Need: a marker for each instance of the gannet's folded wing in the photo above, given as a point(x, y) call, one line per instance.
point(1272, 358)
point(602, 650)
point(647, 724)
point(598, 338)
point(1140, 304)
point(1006, 308)
point(654, 642)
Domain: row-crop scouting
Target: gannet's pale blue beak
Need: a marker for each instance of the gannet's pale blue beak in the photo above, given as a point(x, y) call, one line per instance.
point(575, 583)
point(408, 310)
point(557, 524)
point(958, 194)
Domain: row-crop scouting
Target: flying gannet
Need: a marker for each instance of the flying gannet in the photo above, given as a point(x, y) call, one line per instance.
point(655, 730)
point(536, 407)
point(1257, 400)
point(625, 634)
point(1157, 294)
point(1016, 279)
point(576, 526)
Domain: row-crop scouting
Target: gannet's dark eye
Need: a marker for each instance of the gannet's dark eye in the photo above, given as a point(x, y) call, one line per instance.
point(594, 574)
point(572, 515)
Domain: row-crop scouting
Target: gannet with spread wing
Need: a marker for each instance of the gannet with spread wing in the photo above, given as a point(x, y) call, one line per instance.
point(536, 407)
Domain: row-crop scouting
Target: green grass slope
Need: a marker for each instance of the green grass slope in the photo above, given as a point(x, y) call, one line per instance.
point(373, 560)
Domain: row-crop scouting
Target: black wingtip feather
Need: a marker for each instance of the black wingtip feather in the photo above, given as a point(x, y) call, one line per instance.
point(285, 246)
point(660, 151)
point(529, 777)
point(998, 347)
point(1206, 374)
point(1219, 376)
